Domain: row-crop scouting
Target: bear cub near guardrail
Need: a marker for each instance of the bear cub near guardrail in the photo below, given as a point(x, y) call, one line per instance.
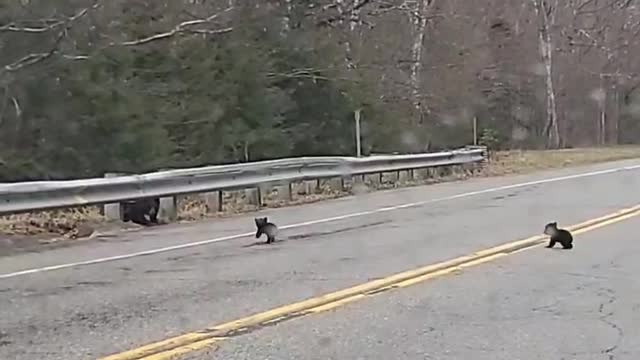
point(557, 235)
point(265, 227)
point(141, 211)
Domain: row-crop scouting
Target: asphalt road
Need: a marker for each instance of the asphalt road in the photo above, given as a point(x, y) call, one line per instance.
point(538, 304)
point(84, 312)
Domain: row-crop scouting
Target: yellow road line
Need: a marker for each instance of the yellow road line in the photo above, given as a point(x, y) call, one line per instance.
point(197, 340)
point(335, 304)
point(165, 345)
point(175, 353)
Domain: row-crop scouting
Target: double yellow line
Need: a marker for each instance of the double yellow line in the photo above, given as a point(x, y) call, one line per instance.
point(207, 338)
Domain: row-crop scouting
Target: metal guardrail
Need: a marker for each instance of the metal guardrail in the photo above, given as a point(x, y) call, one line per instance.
point(43, 195)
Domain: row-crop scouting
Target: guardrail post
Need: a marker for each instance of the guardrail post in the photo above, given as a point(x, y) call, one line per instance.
point(373, 179)
point(419, 174)
point(264, 190)
point(307, 187)
point(403, 176)
point(336, 184)
point(395, 176)
point(284, 192)
point(469, 169)
point(214, 201)
point(346, 182)
point(253, 196)
point(459, 170)
point(112, 211)
point(358, 185)
point(168, 211)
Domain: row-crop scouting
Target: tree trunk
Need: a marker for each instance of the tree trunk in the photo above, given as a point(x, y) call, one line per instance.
point(245, 150)
point(286, 19)
point(420, 25)
point(342, 13)
point(615, 118)
point(602, 125)
point(354, 16)
point(546, 19)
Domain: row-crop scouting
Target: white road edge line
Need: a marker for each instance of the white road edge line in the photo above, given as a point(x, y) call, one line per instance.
point(313, 222)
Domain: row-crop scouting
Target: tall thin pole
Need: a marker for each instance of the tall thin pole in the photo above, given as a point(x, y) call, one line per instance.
point(358, 145)
point(475, 130)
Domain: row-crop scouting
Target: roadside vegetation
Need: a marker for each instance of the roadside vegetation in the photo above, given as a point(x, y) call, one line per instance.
point(89, 87)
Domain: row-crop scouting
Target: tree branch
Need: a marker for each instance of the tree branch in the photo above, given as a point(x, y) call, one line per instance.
point(34, 58)
point(16, 105)
point(344, 12)
point(180, 28)
point(13, 27)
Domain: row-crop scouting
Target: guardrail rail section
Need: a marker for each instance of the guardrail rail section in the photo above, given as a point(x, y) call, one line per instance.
point(43, 195)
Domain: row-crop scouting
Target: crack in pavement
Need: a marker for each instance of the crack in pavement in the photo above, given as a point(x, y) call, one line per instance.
point(587, 276)
point(611, 298)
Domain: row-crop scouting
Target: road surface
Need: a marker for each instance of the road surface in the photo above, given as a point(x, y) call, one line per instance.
point(535, 304)
point(538, 304)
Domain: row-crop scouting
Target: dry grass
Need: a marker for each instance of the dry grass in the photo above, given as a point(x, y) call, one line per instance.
point(81, 222)
point(192, 208)
point(518, 162)
point(68, 223)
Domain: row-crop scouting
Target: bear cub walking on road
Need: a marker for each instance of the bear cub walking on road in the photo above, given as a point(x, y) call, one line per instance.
point(561, 236)
point(265, 227)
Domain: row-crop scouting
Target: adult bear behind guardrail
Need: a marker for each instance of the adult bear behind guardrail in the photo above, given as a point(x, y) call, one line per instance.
point(142, 211)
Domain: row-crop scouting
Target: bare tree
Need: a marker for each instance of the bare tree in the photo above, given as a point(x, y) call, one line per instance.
point(545, 12)
point(603, 35)
point(419, 17)
point(62, 26)
point(286, 19)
